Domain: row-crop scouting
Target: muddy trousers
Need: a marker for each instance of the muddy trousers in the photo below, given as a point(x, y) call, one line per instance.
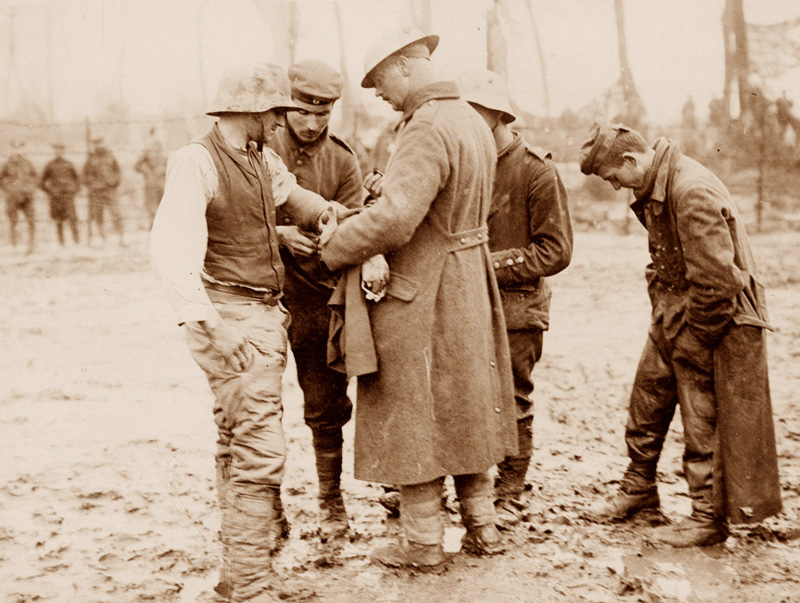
point(326, 406)
point(526, 350)
point(251, 449)
point(662, 384)
point(421, 506)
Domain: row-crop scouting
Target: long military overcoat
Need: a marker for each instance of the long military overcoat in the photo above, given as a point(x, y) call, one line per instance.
point(442, 400)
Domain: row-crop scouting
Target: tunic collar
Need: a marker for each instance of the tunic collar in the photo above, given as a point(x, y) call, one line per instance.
point(511, 146)
point(304, 148)
point(655, 182)
point(437, 90)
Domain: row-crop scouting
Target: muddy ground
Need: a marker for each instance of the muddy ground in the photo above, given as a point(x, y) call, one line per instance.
point(106, 484)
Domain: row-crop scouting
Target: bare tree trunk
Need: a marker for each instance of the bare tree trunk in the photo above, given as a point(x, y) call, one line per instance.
point(496, 51)
point(729, 44)
point(634, 108)
point(740, 55)
point(348, 102)
point(421, 14)
point(542, 62)
point(283, 20)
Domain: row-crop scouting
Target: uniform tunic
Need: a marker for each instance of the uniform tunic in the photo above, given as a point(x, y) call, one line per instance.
point(329, 168)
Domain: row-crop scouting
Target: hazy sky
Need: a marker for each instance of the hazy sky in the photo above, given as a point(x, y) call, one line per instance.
point(169, 53)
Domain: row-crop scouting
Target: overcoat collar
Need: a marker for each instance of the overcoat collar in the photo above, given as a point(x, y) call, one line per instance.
point(437, 90)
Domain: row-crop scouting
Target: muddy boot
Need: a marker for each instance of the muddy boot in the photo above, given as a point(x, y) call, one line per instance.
point(509, 483)
point(328, 452)
point(637, 492)
point(253, 530)
point(421, 547)
point(696, 530)
point(476, 498)
point(390, 500)
point(509, 486)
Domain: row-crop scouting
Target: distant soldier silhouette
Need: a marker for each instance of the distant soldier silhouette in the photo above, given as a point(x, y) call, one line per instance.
point(152, 165)
point(101, 175)
point(18, 181)
point(61, 182)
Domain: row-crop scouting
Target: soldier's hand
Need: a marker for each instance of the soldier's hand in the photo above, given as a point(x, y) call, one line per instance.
point(373, 182)
point(299, 242)
point(230, 342)
point(375, 277)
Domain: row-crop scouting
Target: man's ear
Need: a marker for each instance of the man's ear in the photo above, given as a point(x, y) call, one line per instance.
point(402, 64)
point(632, 158)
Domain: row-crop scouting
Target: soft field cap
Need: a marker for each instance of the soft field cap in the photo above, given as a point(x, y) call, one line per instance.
point(391, 43)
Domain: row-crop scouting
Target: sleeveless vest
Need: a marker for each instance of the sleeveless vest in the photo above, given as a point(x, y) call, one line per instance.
point(242, 239)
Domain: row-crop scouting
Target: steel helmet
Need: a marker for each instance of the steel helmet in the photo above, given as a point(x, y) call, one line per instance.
point(391, 43)
point(487, 89)
point(252, 89)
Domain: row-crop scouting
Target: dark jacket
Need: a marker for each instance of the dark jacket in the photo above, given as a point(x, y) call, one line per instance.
point(101, 171)
point(705, 291)
point(329, 168)
point(530, 233)
point(60, 179)
point(442, 401)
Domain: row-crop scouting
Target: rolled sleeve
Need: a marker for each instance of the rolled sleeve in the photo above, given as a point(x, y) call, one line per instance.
point(179, 236)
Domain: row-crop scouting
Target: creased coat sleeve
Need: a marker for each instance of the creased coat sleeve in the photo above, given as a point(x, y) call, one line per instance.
point(550, 250)
point(413, 178)
point(708, 251)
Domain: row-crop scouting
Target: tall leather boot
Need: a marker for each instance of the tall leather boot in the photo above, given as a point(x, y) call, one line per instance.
point(510, 480)
point(423, 531)
point(328, 453)
point(476, 499)
point(253, 530)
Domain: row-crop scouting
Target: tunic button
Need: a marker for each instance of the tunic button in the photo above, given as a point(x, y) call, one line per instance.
point(520, 260)
point(491, 363)
point(496, 409)
point(463, 240)
point(496, 265)
point(480, 236)
point(287, 220)
point(510, 262)
point(299, 162)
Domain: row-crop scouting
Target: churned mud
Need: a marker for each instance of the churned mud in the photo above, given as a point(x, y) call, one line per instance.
point(106, 484)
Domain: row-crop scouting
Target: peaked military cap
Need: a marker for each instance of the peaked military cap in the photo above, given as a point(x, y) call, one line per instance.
point(315, 82)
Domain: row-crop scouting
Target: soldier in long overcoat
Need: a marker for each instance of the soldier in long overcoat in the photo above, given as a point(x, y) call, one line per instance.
point(442, 401)
point(706, 349)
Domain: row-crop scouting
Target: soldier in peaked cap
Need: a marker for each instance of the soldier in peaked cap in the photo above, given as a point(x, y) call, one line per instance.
point(215, 248)
point(705, 351)
point(442, 400)
point(530, 235)
point(325, 164)
point(61, 183)
point(18, 182)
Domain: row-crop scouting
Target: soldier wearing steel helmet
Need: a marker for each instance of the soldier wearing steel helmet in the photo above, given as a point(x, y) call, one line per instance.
point(441, 402)
point(214, 246)
point(325, 164)
point(530, 235)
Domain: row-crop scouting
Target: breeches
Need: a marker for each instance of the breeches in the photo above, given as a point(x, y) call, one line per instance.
point(326, 404)
point(526, 350)
point(251, 449)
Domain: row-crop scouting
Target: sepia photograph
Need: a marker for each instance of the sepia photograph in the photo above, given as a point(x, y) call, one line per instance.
point(400, 301)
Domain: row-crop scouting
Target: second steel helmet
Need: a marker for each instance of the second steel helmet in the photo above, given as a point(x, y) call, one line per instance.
point(252, 89)
point(391, 43)
point(487, 89)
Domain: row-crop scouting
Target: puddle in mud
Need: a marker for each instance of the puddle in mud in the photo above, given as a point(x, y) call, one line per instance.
point(685, 575)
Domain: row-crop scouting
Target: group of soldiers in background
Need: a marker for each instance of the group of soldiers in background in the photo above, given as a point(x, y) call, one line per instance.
point(61, 181)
